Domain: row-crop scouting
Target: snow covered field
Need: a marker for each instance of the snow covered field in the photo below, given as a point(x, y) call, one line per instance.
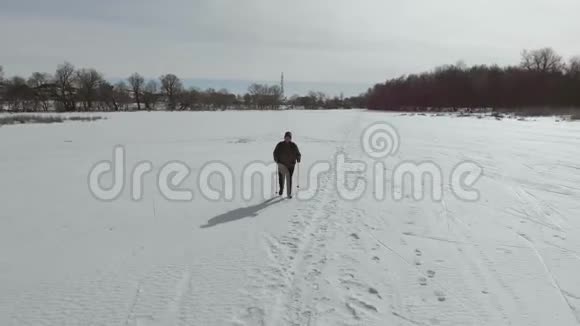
point(510, 258)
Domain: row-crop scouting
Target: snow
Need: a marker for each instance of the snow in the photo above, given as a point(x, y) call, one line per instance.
point(510, 258)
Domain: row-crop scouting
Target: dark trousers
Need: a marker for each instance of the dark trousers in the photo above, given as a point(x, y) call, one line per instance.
point(285, 172)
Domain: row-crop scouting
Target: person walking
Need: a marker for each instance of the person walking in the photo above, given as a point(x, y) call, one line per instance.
point(286, 155)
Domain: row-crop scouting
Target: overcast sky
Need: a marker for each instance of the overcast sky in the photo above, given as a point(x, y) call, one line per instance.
point(310, 40)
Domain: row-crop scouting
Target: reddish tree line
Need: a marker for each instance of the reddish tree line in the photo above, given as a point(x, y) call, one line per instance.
point(541, 80)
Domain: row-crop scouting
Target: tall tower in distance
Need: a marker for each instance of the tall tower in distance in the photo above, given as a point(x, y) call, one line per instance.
point(282, 85)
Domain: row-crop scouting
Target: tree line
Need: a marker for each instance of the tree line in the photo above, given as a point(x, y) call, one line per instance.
point(70, 89)
point(542, 81)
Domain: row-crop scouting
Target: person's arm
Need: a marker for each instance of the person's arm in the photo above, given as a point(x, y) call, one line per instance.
point(277, 153)
point(298, 154)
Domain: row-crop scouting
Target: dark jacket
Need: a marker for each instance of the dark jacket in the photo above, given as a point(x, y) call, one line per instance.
point(287, 153)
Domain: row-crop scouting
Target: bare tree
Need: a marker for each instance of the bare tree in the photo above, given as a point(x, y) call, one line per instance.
point(224, 99)
point(188, 100)
point(18, 95)
point(171, 87)
point(264, 96)
point(542, 60)
point(107, 97)
point(64, 86)
point(247, 100)
point(257, 94)
point(1, 88)
point(574, 67)
point(136, 82)
point(121, 92)
point(114, 97)
point(38, 79)
point(40, 84)
point(574, 73)
point(88, 82)
point(150, 94)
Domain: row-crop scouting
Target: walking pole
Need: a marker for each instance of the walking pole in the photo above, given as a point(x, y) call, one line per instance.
point(298, 176)
point(276, 179)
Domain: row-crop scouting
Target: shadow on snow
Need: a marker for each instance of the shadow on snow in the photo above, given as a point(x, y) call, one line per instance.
point(240, 213)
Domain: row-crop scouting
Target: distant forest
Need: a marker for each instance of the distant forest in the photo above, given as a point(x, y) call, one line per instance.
point(542, 83)
point(70, 89)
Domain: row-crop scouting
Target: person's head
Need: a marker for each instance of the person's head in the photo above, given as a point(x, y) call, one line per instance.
point(288, 136)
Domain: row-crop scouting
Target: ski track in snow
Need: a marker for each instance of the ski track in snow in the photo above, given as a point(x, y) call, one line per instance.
point(563, 294)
